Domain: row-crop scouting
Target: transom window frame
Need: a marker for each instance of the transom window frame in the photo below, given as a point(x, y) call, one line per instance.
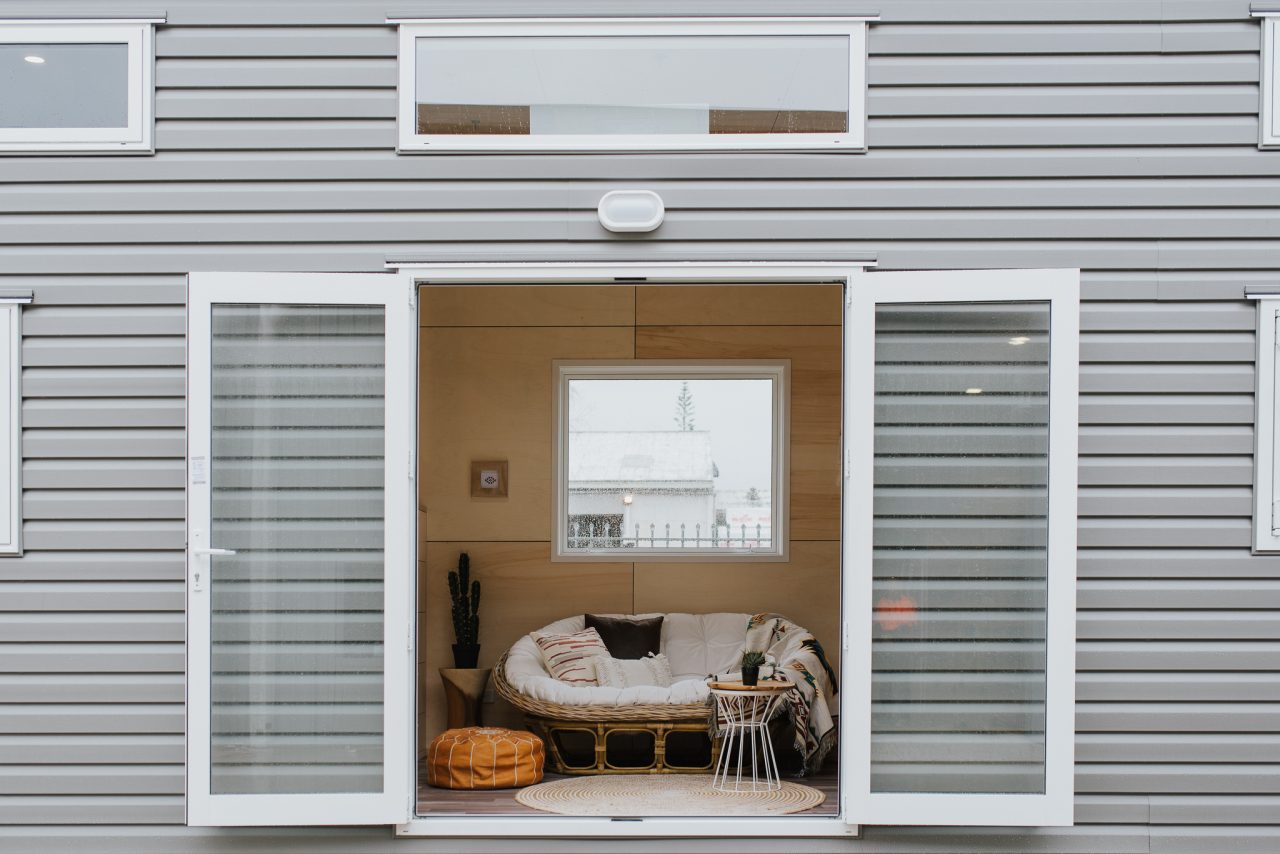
point(1268, 76)
point(138, 34)
point(776, 370)
point(411, 29)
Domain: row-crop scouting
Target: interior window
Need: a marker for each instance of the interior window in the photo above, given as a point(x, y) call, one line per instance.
point(672, 459)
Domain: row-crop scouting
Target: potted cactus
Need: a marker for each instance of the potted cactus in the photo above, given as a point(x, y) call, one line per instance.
point(752, 661)
point(465, 595)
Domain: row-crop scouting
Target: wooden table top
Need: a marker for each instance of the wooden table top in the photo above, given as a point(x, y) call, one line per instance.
point(762, 685)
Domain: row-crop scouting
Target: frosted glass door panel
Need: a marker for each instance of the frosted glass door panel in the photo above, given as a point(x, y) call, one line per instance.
point(960, 560)
point(633, 85)
point(297, 480)
point(64, 85)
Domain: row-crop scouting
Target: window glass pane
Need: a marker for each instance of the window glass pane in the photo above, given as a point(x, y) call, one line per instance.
point(633, 85)
point(666, 463)
point(297, 482)
point(64, 85)
point(960, 560)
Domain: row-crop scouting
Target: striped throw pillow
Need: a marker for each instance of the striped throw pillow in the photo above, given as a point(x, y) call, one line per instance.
point(569, 656)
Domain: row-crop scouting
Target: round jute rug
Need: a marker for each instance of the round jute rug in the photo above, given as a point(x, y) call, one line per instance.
point(662, 794)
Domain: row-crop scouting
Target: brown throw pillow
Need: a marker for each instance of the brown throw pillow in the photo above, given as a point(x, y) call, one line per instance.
point(628, 638)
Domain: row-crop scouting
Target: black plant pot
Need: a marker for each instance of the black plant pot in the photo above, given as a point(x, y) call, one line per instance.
point(466, 655)
point(750, 675)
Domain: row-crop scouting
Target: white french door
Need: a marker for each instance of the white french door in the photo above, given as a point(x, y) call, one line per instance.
point(299, 540)
point(960, 547)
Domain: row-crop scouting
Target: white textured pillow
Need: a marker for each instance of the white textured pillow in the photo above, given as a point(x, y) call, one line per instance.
point(568, 656)
point(652, 670)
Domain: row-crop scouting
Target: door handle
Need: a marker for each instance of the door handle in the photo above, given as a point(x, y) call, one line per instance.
point(200, 579)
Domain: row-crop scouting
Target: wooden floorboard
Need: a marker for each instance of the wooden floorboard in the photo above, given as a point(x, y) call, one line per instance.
point(433, 801)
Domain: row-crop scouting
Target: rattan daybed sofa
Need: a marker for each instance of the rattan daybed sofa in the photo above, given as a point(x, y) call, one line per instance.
point(596, 730)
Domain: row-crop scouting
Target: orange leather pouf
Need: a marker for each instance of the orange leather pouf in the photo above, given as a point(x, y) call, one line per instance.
point(484, 758)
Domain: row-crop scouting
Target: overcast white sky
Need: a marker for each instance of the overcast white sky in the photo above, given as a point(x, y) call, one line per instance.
point(738, 413)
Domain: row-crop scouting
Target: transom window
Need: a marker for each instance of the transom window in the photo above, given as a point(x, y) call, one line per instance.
point(656, 459)
point(76, 86)
point(632, 84)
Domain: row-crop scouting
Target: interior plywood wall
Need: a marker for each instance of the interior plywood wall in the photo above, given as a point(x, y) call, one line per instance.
point(487, 393)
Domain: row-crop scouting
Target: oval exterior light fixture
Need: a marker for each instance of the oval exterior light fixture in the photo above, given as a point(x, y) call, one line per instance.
point(34, 60)
point(631, 210)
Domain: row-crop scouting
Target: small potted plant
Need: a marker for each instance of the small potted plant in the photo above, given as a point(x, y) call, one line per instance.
point(465, 594)
point(752, 661)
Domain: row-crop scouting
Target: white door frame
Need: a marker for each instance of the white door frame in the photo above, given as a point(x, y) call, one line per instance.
point(1060, 288)
point(762, 273)
point(205, 808)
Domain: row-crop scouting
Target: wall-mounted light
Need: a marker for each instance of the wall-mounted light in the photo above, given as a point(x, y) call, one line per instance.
point(627, 499)
point(1019, 340)
point(34, 60)
point(631, 210)
point(973, 391)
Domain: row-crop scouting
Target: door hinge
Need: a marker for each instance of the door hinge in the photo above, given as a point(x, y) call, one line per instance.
point(408, 638)
point(844, 638)
point(848, 463)
point(848, 295)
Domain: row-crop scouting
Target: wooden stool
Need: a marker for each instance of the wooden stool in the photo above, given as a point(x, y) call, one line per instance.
point(464, 695)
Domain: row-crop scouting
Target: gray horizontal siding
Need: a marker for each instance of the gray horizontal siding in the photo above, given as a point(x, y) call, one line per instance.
point(1114, 135)
point(91, 653)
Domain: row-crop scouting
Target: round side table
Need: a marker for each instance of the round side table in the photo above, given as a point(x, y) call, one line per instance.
point(743, 714)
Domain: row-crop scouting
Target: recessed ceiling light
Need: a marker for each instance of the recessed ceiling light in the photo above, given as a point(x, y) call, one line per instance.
point(1018, 340)
point(34, 60)
point(973, 391)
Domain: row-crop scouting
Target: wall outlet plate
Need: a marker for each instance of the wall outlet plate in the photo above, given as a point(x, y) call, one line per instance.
point(488, 478)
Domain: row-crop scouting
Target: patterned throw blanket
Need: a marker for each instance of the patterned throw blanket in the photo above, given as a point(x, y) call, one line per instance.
point(801, 659)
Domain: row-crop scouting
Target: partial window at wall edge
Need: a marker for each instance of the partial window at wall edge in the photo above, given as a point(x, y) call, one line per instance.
point(1269, 79)
point(11, 427)
point(1266, 478)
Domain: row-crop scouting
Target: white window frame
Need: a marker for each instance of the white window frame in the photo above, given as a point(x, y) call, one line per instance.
point(776, 370)
point(854, 140)
point(11, 422)
point(1268, 78)
point(390, 806)
point(138, 35)
point(1061, 288)
point(1266, 532)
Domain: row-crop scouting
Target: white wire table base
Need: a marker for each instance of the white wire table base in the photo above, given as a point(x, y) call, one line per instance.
point(743, 718)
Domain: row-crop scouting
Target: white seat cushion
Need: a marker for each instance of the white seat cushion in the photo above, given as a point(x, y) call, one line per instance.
point(695, 645)
point(700, 644)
